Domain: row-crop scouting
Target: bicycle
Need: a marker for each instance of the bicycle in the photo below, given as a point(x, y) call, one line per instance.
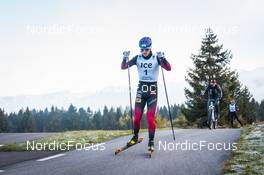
point(212, 115)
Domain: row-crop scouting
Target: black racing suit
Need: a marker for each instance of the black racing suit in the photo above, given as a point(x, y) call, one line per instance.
point(147, 93)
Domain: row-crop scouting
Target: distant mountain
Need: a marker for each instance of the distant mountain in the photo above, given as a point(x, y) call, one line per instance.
point(111, 96)
point(254, 80)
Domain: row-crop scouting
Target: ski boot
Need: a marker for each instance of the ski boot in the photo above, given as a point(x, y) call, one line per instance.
point(133, 141)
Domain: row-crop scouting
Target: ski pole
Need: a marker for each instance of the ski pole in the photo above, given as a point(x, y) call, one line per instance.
point(130, 100)
point(168, 103)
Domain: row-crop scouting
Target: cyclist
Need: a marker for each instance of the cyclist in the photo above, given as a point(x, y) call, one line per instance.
point(215, 94)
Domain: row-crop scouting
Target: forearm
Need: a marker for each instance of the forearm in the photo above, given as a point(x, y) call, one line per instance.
point(125, 64)
point(165, 64)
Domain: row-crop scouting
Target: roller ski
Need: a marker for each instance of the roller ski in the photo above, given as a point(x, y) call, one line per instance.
point(129, 144)
point(150, 148)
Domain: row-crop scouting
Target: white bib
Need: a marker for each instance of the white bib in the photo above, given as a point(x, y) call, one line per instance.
point(148, 69)
point(232, 107)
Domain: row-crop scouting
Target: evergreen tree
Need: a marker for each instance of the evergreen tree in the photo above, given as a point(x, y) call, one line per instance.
point(3, 121)
point(112, 122)
point(90, 114)
point(175, 111)
point(247, 106)
point(118, 116)
point(97, 120)
point(56, 120)
point(212, 62)
point(261, 111)
point(17, 121)
point(163, 112)
point(44, 119)
point(73, 118)
point(84, 119)
point(39, 118)
point(28, 122)
point(254, 108)
point(12, 123)
point(104, 118)
point(53, 120)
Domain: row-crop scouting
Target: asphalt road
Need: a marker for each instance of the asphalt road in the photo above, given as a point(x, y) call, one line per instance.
point(133, 161)
point(19, 137)
point(9, 158)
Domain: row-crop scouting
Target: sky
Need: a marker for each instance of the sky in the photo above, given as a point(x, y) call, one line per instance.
point(74, 45)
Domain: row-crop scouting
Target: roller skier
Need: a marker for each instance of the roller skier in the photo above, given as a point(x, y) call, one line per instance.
point(148, 70)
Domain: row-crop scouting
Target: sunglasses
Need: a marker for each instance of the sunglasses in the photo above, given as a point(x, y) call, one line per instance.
point(145, 50)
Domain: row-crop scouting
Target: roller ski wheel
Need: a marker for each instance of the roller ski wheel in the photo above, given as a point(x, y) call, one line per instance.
point(150, 151)
point(150, 148)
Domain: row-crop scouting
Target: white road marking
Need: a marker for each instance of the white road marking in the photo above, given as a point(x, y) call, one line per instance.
point(98, 144)
point(59, 155)
point(1, 171)
point(51, 157)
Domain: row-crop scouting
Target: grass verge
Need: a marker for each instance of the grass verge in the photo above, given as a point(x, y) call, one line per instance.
point(249, 157)
point(75, 137)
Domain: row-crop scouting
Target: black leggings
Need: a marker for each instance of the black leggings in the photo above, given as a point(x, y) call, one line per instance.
point(233, 116)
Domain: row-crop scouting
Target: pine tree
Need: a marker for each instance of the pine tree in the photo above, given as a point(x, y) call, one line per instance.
point(212, 62)
point(109, 117)
point(28, 122)
point(3, 121)
point(53, 122)
point(90, 124)
point(254, 108)
point(104, 118)
point(247, 105)
point(74, 117)
point(261, 111)
point(118, 116)
point(97, 120)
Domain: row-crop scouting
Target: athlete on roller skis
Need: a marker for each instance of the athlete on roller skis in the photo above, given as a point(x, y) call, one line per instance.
point(148, 70)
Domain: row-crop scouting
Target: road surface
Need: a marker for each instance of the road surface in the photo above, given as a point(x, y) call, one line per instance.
point(135, 160)
point(19, 137)
point(8, 158)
